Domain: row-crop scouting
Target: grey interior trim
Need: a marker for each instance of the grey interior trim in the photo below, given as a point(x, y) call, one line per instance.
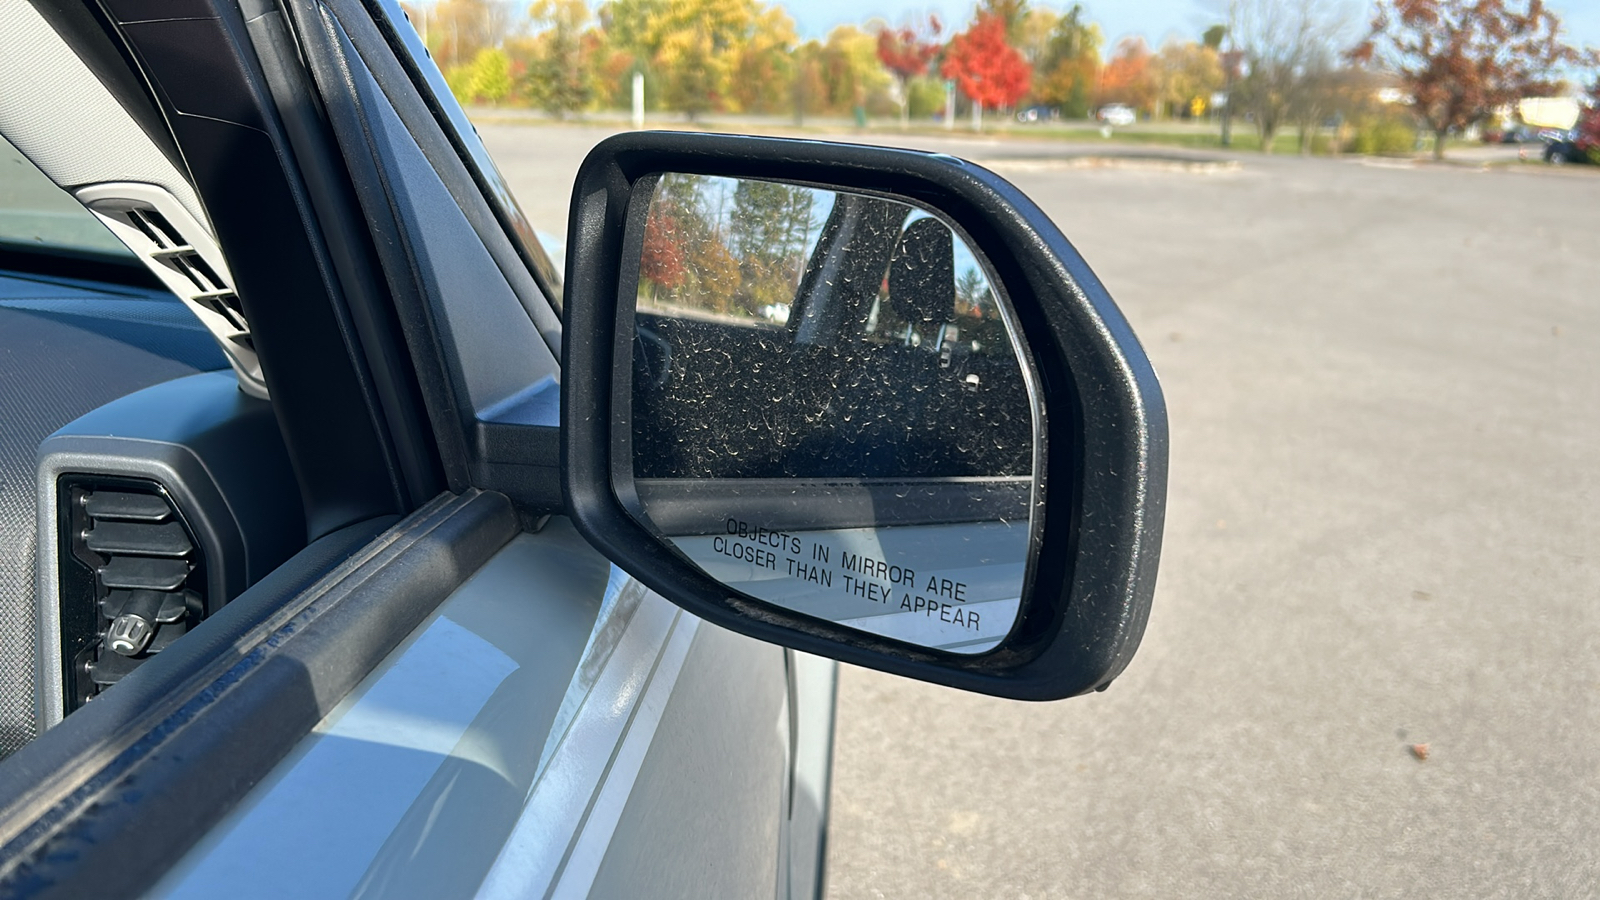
point(61, 117)
point(146, 783)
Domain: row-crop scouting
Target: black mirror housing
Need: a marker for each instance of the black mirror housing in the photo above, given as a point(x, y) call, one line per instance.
point(1093, 556)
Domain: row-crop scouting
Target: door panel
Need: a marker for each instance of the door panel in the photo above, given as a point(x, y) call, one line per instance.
point(551, 728)
point(703, 819)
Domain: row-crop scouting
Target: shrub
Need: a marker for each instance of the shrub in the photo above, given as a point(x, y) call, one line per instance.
point(1384, 137)
point(926, 97)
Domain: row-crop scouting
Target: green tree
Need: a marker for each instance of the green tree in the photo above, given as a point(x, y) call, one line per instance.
point(558, 77)
point(490, 78)
point(1012, 12)
point(1070, 66)
point(767, 232)
point(925, 97)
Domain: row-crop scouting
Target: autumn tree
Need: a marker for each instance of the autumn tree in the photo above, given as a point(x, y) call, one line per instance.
point(661, 262)
point(907, 52)
point(652, 25)
point(1283, 44)
point(808, 91)
point(458, 30)
point(1032, 35)
point(764, 64)
point(688, 252)
point(1324, 86)
point(850, 69)
point(1460, 59)
point(987, 69)
point(701, 48)
point(693, 78)
point(1126, 76)
point(1183, 75)
point(1067, 72)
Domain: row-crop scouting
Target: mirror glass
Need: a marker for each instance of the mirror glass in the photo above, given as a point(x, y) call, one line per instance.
point(829, 410)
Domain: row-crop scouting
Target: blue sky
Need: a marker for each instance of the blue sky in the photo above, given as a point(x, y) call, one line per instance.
point(1154, 19)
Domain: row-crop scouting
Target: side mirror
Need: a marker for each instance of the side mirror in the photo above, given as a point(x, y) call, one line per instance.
point(861, 402)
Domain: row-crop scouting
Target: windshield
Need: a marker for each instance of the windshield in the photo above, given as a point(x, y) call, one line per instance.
point(35, 214)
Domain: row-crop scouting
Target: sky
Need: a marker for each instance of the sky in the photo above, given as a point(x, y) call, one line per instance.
point(1154, 19)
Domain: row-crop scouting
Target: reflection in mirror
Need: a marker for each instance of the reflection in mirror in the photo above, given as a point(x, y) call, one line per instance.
point(829, 410)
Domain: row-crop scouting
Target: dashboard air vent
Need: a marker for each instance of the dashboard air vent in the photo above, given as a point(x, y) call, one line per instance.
point(137, 585)
point(182, 253)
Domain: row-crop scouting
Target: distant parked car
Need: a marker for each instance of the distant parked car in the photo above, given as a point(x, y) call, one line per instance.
point(1118, 114)
point(1564, 150)
point(1038, 114)
point(1579, 144)
point(1520, 134)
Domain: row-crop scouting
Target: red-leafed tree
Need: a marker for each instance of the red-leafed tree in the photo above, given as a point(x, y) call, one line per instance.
point(987, 69)
point(662, 260)
point(1461, 59)
point(1587, 136)
point(907, 52)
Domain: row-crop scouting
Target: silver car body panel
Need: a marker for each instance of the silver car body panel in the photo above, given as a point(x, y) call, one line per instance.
point(553, 730)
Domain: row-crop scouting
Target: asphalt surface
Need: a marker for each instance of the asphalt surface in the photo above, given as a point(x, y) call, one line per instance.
point(1385, 411)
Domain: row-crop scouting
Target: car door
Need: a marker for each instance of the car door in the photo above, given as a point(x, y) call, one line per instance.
point(447, 691)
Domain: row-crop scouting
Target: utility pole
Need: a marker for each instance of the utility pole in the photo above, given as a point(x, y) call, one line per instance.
point(1230, 66)
point(1230, 71)
point(638, 101)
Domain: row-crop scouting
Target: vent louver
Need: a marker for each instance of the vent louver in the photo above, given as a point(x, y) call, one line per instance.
point(139, 588)
point(182, 253)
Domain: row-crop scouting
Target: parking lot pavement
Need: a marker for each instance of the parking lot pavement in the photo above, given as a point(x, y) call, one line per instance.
point(1385, 414)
